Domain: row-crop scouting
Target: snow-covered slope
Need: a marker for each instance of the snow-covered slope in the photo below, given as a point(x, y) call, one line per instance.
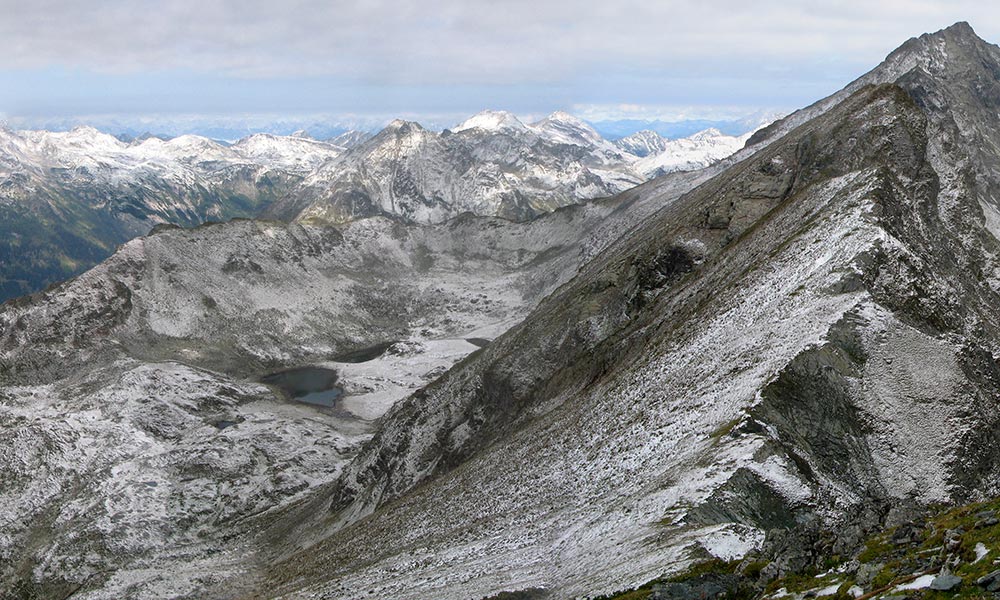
point(564, 128)
point(294, 153)
point(350, 139)
point(493, 121)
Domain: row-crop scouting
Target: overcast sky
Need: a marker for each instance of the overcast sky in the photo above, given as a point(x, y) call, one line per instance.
point(598, 58)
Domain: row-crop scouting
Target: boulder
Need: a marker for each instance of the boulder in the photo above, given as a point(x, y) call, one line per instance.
point(946, 582)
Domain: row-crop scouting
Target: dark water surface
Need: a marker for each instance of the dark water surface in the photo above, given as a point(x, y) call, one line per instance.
point(312, 385)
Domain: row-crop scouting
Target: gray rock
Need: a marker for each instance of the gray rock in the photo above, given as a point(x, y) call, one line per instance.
point(946, 582)
point(986, 518)
point(867, 572)
point(704, 588)
point(990, 581)
point(953, 538)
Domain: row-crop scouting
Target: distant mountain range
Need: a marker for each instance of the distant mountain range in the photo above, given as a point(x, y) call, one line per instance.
point(620, 128)
point(325, 127)
point(67, 199)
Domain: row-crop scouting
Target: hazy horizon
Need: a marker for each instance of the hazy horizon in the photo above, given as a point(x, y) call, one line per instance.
point(440, 61)
point(320, 126)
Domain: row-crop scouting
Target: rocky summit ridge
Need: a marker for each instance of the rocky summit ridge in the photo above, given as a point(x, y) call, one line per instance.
point(803, 345)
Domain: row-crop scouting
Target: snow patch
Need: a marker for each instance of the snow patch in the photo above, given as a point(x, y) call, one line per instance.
point(731, 542)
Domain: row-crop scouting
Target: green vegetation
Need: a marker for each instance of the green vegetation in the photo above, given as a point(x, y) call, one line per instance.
point(726, 428)
point(695, 572)
point(966, 539)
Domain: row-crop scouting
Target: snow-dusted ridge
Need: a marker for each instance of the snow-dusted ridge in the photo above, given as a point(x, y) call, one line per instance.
point(799, 349)
point(86, 146)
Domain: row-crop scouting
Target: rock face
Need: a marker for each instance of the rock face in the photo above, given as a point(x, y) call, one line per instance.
point(805, 343)
point(643, 143)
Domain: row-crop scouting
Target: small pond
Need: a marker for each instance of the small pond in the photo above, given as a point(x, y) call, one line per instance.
point(312, 385)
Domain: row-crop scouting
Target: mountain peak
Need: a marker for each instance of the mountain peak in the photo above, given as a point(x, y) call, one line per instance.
point(705, 134)
point(955, 60)
point(643, 143)
point(492, 120)
point(85, 129)
point(564, 128)
point(936, 45)
point(403, 126)
point(564, 117)
point(961, 28)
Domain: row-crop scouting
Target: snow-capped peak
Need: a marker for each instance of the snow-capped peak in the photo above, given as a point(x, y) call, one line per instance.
point(403, 125)
point(565, 117)
point(564, 128)
point(84, 136)
point(185, 148)
point(492, 120)
point(643, 143)
point(694, 152)
point(290, 151)
point(706, 134)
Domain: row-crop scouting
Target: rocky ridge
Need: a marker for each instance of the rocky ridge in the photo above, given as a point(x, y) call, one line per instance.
point(803, 344)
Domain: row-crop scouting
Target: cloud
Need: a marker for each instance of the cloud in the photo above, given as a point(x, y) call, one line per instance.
point(448, 56)
point(461, 41)
point(666, 113)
